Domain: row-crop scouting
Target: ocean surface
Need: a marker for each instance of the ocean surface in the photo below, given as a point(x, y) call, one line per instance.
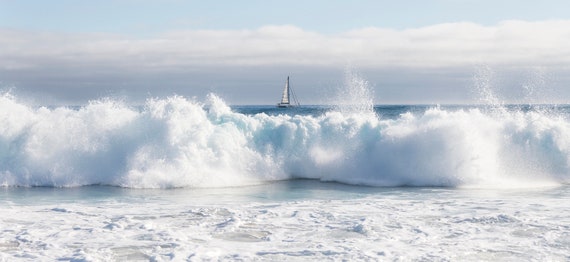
point(181, 179)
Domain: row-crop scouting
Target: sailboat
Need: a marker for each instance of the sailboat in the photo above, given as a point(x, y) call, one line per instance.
point(288, 99)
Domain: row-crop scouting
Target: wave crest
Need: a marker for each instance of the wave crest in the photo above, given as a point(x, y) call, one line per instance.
point(176, 142)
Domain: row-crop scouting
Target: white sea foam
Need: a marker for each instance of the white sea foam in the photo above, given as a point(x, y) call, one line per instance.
point(284, 221)
point(176, 142)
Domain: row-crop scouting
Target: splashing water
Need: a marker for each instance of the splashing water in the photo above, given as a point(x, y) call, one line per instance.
point(355, 95)
point(484, 86)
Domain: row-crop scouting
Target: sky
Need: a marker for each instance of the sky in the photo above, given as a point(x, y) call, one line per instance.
point(409, 52)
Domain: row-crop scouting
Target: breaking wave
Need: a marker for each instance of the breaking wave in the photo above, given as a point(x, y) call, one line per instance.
point(177, 142)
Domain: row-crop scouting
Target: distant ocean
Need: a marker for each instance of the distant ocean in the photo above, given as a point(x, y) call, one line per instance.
point(181, 179)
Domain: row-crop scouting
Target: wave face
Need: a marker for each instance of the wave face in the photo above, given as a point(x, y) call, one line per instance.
point(176, 142)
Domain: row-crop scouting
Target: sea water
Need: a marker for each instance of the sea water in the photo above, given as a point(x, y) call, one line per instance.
point(184, 179)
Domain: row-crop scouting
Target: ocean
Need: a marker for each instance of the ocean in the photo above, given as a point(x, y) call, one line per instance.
point(181, 179)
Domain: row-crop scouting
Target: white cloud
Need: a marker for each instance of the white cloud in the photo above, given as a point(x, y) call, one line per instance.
point(511, 43)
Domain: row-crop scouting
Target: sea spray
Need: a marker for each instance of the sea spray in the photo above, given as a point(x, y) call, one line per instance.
point(533, 84)
point(484, 87)
point(355, 95)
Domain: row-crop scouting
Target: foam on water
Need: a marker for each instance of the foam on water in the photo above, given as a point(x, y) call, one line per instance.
point(284, 221)
point(177, 142)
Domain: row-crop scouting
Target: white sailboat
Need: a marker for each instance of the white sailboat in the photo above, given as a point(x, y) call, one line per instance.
point(288, 99)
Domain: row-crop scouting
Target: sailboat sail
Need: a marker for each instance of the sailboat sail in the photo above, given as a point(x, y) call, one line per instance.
point(285, 96)
point(288, 96)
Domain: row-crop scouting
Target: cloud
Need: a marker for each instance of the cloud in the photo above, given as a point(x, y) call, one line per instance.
point(445, 45)
point(88, 58)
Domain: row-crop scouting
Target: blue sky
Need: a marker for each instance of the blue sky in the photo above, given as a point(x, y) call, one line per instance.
point(409, 51)
point(140, 17)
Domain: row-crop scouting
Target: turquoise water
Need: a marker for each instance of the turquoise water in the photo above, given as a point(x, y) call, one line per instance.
point(278, 191)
